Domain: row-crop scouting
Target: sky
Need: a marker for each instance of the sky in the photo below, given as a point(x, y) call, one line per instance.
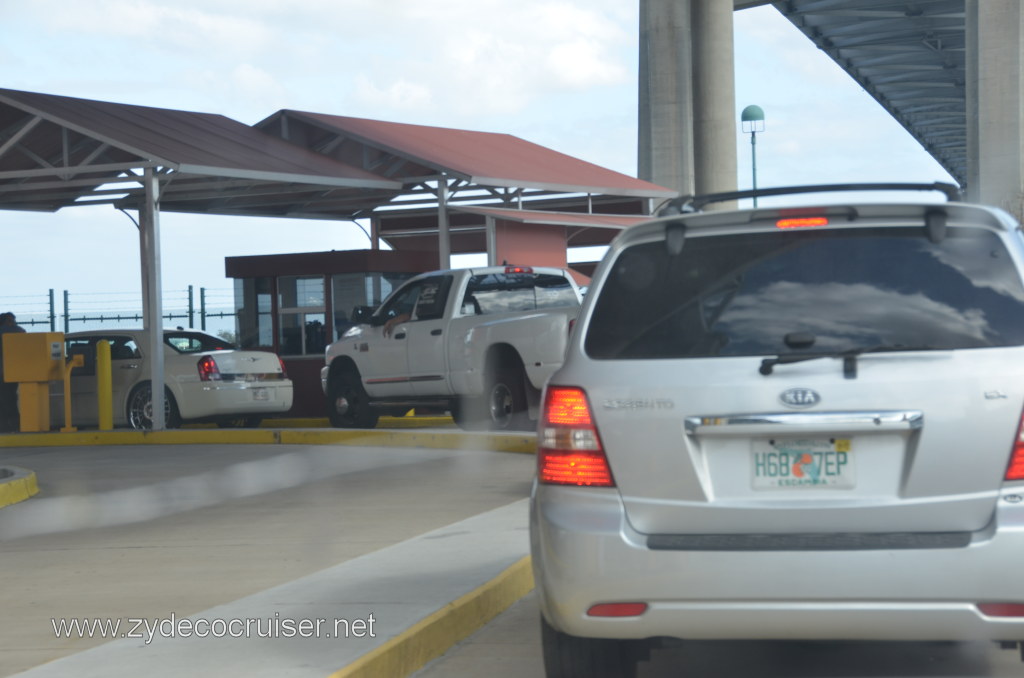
point(560, 73)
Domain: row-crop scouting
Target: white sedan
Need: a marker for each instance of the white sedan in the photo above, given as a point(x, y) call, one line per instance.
point(206, 379)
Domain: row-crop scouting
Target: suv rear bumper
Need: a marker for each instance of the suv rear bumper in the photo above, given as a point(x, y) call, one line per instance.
point(585, 553)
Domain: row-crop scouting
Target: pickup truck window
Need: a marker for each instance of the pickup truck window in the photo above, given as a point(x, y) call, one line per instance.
point(421, 300)
point(506, 292)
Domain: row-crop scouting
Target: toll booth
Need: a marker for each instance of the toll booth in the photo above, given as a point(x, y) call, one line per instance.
point(297, 304)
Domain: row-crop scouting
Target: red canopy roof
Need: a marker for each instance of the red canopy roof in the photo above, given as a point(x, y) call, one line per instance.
point(484, 158)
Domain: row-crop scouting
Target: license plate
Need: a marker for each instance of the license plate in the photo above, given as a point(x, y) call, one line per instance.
point(260, 394)
point(802, 463)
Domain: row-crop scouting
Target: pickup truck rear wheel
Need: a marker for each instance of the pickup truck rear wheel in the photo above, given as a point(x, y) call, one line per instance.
point(506, 400)
point(347, 403)
point(502, 407)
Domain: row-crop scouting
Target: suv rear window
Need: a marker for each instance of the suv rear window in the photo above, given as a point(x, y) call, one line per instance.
point(504, 292)
point(741, 295)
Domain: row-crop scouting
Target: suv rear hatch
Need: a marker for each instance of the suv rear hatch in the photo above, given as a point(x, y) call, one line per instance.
point(860, 374)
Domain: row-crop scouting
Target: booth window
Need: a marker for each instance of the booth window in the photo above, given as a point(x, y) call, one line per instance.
point(254, 312)
point(302, 315)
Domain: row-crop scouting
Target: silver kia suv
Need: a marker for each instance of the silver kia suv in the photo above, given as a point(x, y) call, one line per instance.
point(787, 423)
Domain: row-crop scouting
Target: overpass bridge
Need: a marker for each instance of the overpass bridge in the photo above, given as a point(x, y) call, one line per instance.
point(948, 70)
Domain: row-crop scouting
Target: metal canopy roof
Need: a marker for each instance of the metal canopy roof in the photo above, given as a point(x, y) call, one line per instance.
point(574, 220)
point(909, 55)
point(60, 151)
point(415, 153)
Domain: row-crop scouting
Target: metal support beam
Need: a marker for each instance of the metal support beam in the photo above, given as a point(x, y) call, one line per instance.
point(152, 304)
point(444, 241)
point(492, 241)
point(19, 135)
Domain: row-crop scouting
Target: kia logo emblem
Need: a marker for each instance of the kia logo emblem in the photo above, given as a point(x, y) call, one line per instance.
point(800, 397)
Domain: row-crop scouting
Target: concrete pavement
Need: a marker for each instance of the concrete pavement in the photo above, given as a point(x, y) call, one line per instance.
point(365, 617)
point(412, 625)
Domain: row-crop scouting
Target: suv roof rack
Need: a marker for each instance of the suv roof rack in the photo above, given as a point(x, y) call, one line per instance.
point(695, 203)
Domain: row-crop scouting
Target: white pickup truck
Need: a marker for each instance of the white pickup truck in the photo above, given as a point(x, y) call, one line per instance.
point(479, 343)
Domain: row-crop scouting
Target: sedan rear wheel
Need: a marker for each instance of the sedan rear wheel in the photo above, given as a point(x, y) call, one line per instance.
point(140, 408)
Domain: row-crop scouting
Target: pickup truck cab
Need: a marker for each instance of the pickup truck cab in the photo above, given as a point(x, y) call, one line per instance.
point(479, 343)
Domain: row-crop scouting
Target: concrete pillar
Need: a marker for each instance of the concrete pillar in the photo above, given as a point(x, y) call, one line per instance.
point(687, 114)
point(714, 98)
point(996, 82)
point(665, 150)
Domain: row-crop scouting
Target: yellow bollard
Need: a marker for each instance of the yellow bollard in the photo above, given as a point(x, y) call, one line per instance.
point(104, 386)
point(76, 361)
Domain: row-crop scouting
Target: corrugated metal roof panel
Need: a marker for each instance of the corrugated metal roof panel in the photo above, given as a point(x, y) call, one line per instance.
point(197, 143)
point(486, 158)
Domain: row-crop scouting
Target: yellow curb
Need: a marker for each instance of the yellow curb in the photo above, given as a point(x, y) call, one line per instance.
point(19, 486)
point(427, 640)
point(508, 442)
point(176, 437)
point(524, 443)
point(322, 422)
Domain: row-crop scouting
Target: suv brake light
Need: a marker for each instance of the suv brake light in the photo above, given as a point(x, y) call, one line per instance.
point(518, 269)
point(208, 369)
point(1015, 471)
point(801, 222)
point(570, 450)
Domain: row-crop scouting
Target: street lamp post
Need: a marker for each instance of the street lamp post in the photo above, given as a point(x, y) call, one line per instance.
point(752, 120)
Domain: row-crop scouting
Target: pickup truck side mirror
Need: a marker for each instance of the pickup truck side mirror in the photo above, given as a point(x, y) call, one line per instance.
point(362, 314)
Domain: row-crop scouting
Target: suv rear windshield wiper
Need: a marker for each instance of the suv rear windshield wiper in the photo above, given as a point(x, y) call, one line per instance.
point(849, 357)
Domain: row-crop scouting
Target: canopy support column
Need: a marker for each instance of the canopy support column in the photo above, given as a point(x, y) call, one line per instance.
point(152, 303)
point(444, 241)
point(492, 240)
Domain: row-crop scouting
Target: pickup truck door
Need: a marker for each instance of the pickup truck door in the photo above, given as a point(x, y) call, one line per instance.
point(387, 371)
point(381, 352)
point(427, 341)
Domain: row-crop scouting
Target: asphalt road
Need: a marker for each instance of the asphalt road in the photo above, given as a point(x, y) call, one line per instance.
point(509, 647)
point(143, 532)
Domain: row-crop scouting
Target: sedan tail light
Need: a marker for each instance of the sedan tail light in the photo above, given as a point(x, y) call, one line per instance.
point(570, 450)
point(208, 369)
point(284, 372)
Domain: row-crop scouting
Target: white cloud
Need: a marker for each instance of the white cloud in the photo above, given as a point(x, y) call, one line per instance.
point(400, 95)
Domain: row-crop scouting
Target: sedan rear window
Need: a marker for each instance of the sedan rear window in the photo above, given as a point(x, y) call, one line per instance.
point(195, 343)
point(844, 289)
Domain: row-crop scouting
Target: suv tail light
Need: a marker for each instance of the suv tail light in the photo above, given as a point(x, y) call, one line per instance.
point(570, 450)
point(208, 369)
point(1015, 471)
